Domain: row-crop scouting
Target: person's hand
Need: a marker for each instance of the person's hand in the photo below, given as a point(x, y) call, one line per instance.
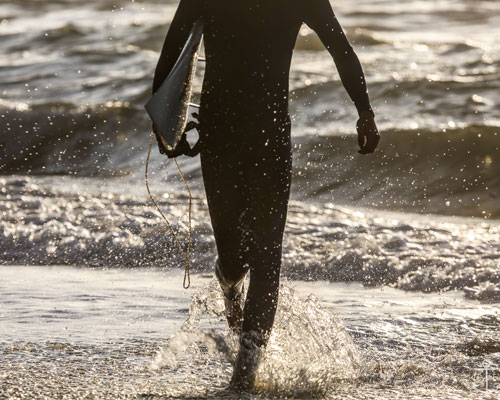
point(368, 136)
point(183, 147)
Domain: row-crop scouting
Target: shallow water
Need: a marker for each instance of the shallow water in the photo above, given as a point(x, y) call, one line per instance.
point(74, 84)
point(109, 333)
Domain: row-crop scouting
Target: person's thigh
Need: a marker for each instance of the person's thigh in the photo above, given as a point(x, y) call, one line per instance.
point(247, 182)
point(268, 178)
point(222, 178)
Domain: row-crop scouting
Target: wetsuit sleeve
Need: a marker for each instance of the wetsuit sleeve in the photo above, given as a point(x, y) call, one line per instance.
point(186, 15)
point(320, 17)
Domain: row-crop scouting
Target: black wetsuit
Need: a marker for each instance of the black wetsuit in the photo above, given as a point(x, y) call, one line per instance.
point(245, 127)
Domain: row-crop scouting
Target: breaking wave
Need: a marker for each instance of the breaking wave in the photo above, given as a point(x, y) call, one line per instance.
point(449, 170)
point(81, 225)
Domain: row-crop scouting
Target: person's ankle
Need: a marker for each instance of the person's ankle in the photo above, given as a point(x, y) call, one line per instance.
point(252, 346)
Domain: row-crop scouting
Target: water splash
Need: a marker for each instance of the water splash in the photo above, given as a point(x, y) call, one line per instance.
point(309, 353)
point(414, 345)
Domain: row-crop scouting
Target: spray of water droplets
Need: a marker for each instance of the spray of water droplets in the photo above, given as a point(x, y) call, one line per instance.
point(309, 353)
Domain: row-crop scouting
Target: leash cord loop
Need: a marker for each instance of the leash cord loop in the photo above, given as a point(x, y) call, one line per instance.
point(185, 255)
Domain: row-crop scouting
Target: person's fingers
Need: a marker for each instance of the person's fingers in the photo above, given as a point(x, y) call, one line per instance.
point(362, 140)
point(368, 136)
point(371, 142)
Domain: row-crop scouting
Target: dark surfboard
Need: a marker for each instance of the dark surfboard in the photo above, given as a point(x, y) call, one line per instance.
point(169, 106)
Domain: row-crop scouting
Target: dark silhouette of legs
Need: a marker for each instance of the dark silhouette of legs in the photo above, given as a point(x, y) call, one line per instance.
point(248, 189)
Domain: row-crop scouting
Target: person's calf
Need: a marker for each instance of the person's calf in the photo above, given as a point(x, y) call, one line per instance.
point(233, 299)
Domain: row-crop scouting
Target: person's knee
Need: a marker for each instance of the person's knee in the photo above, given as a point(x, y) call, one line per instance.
point(266, 248)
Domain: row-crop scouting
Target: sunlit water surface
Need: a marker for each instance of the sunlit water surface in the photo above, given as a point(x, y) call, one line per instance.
point(75, 332)
point(72, 119)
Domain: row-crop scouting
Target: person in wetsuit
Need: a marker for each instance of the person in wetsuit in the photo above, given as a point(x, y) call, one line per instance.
point(245, 141)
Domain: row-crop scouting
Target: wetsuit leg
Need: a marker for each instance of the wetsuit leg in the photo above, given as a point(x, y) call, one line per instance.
point(222, 180)
point(248, 187)
point(269, 188)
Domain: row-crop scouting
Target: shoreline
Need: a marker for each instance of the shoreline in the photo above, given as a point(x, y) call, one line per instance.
point(106, 333)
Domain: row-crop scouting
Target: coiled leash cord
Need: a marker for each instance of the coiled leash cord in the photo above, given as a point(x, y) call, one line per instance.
point(186, 256)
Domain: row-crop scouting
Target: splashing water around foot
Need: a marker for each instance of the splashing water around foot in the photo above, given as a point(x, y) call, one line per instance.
point(309, 352)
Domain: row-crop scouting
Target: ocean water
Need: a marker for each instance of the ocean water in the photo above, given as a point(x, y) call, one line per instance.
point(401, 248)
point(134, 333)
point(74, 83)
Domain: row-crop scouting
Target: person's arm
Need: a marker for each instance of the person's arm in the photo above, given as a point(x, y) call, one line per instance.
point(186, 15)
point(320, 17)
